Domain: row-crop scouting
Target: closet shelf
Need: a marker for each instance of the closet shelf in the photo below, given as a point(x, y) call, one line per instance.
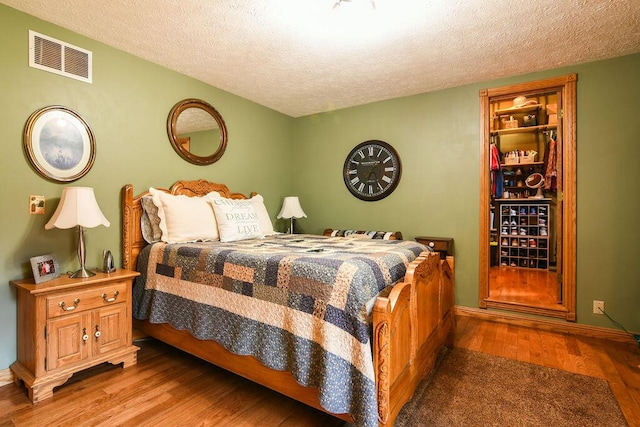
point(519, 110)
point(520, 165)
point(526, 129)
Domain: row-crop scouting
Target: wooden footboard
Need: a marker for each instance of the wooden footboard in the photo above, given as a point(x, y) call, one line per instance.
point(411, 325)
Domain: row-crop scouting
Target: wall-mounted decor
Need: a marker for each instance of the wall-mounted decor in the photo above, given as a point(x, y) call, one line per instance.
point(197, 131)
point(59, 143)
point(372, 170)
point(45, 268)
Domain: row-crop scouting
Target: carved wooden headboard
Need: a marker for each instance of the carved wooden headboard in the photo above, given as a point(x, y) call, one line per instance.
point(132, 240)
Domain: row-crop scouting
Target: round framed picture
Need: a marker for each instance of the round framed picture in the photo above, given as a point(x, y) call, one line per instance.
point(59, 143)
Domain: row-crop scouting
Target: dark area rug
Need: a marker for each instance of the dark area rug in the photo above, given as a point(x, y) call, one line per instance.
point(470, 388)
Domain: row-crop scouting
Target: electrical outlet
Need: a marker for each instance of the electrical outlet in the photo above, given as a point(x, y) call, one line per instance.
point(598, 306)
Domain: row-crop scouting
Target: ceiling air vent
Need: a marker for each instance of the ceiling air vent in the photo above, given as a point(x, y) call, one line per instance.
point(55, 56)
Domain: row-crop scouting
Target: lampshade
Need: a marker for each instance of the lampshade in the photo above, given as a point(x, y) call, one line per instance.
point(78, 206)
point(291, 208)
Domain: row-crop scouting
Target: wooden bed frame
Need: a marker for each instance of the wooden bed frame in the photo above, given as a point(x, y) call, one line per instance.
point(410, 325)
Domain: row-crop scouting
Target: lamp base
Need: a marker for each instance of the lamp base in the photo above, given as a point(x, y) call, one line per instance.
point(82, 273)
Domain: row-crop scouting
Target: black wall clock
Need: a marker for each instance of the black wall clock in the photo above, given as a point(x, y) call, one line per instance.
point(372, 170)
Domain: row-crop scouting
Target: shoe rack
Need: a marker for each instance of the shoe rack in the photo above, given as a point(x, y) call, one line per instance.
point(524, 234)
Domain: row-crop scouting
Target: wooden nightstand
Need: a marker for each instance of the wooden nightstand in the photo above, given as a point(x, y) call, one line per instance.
point(444, 245)
point(67, 325)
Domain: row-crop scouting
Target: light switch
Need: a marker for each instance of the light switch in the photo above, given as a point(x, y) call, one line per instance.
point(36, 205)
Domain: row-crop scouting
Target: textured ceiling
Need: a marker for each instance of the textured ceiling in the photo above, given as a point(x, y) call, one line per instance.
point(301, 57)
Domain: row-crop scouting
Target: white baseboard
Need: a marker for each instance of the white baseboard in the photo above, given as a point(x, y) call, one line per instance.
point(6, 377)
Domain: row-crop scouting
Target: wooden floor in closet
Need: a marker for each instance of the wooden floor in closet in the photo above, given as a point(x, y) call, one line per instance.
point(524, 286)
point(169, 388)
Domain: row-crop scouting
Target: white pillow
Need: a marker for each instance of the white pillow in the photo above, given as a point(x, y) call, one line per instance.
point(263, 216)
point(237, 219)
point(184, 218)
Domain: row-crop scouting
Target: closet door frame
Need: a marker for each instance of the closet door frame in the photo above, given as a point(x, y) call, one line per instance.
point(566, 85)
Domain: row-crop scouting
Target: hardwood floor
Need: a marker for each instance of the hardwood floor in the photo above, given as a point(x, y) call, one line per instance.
point(526, 286)
point(616, 362)
point(168, 387)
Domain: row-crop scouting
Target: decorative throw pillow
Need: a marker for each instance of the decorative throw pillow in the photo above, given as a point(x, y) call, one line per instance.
point(263, 216)
point(150, 221)
point(237, 219)
point(184, 218)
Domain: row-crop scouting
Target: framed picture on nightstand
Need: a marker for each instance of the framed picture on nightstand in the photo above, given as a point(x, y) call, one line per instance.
point(45, 268)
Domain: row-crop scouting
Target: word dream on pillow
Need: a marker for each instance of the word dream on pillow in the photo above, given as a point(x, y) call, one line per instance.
point(237, 219)
point(185, 219)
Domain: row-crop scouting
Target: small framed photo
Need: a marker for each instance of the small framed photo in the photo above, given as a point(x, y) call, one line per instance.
point(59, 144)
point(45, 268)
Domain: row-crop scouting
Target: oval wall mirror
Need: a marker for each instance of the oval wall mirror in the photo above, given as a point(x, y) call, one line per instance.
point(197, 131)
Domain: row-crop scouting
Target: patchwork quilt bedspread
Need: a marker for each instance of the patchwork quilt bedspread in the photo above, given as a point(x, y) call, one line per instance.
point(295, 302)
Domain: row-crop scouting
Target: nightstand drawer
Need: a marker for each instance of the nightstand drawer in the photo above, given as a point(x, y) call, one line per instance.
point(443, 245)
point(80, 300)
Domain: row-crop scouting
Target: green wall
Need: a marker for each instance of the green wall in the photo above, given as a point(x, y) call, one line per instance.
point(127, 107)
point(437, 135)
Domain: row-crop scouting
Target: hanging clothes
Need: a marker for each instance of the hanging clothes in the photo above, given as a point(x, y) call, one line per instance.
point(550, 164)
point(497, 184)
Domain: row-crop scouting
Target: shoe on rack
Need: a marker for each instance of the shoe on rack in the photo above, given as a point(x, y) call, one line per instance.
point(532, 243)
point(513, 222)
point(514, 231)
point(542, 210)
point(513, 212)
point(504, 253)
point(523, 211)
point(532, 211)
point(504, 230)
point(503, 263)
point(513, 264)
point(505, 242)
point(523, 231)
point(523, 243)
point(543, 231)
point(514, 242)
point(542, 221)
point(505, 222)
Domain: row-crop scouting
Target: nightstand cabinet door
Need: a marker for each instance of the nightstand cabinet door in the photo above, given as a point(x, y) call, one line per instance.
point(109, 329)
point(67, 341)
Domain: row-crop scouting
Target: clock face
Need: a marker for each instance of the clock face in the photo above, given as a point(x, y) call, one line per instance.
point(372, 170)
